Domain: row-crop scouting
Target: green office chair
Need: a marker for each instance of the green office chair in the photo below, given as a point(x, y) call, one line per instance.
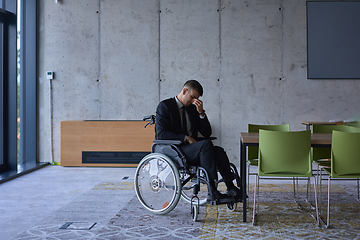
point(345, 161)
point(322, 155)
point(284, 154)
point(252, 152)
point(353, 124)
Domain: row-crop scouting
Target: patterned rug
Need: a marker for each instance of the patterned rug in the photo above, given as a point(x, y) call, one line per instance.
point(279, 217)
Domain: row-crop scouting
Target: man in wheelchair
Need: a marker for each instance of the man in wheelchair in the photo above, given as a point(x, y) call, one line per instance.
point(182, 118)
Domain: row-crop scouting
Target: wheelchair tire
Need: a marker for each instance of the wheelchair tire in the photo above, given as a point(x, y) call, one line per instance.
point(157, 183)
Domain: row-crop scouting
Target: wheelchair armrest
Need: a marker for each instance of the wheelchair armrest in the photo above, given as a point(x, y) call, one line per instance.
point(206, 138)
point(170, 148)
point(167, 142)
point(177, 142)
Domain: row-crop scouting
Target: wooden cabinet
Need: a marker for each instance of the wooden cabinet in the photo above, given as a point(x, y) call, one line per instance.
point(103, 136)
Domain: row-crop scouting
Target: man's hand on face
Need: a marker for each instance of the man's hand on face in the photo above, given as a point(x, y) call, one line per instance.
point(199, 105)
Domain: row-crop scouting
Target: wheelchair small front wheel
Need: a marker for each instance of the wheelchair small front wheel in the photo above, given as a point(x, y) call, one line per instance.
point(187, 190)
point(232, 206)
point(195, 212)
point(157, 183)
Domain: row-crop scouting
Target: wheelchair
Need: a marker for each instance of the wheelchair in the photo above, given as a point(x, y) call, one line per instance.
point(163, 176)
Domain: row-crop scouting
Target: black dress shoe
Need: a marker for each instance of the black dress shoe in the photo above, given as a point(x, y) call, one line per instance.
point(217, 196)
point(234, 192)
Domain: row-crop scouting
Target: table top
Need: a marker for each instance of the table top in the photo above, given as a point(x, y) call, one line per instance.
point(323, 123)
point(316, 138)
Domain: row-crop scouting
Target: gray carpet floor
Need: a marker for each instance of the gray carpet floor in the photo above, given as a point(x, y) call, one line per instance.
point(100, 203)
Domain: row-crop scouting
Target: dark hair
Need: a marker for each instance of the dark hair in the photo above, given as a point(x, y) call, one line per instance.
point(193, 84)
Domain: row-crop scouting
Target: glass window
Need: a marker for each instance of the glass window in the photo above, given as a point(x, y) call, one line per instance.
point(18, 98)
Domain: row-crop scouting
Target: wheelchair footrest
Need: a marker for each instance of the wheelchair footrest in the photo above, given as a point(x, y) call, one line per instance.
point(224, 201)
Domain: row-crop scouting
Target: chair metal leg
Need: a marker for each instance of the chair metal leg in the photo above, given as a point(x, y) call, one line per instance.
point(308, 186)
point(357, 180)
point(254, 206)
point(320, 190)
point(309, 180)
point(320, 199)
point(318, 179)
point(258, 193)
point(316, 203)
point(327, 223)
point(296, 191)
point(318, 182)
point(294, 188)
point(308, 193)
point(328, 207)
point(248, 179)
point(318, 171)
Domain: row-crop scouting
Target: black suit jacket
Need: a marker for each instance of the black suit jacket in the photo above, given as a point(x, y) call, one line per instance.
point(168, 122)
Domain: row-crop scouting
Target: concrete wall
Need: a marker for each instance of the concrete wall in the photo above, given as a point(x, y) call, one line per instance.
point(116, 59)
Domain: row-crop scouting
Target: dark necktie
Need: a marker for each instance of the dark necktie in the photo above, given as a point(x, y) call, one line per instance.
point(184, 126)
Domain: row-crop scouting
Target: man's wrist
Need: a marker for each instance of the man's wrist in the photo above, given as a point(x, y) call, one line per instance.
point(202, 114)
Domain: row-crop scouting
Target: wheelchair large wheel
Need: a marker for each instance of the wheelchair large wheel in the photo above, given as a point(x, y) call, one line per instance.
point(188, 190)
point(157, 183)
